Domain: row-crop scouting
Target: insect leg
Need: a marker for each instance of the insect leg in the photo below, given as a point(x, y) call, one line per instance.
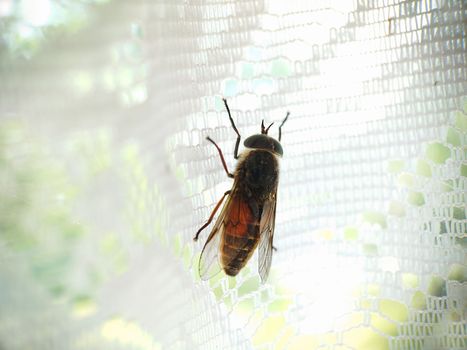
point(216, 208)
point(234, 127)
point(229, 174)
point(280, 127)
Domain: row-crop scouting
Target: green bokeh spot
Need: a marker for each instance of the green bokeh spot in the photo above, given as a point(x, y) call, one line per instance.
point(448, 185)
point(232, 282)
point(218, 292)
point(350, 233)
point(214, 280)
point(437, 152)
point(177, 245)
point(458, 213)
point(246, 305)
point(370, 249)
point(373, 289)
point(406, 179)
point(364, 337)
point(409, 280)
point(464, 170)
point(280, 68)
point(416, 198)
point(248, 70)
point(382, 324)
point(419, 300)
point(279, 305)
point(395, 166)
point(109, 244)
point(82, 81)
point(458, 273)
point(51, 269)
point(57, 290)
point(453, 137)
point(187, 255)
point(461, 121)
point(394, 310)
point(437, 287)
point(83, 301)
point(423, 168)
point(462, 241)
point(397, 208)
point(250, 285)
point(375, 218)
point(455, 317)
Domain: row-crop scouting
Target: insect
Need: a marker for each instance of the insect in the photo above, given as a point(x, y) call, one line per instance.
point(248, 216)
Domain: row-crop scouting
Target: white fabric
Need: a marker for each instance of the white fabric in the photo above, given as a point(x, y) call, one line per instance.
point(106, 175)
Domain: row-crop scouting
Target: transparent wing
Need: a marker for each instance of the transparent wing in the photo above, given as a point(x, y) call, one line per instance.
point(266, 229)
point(209, 264)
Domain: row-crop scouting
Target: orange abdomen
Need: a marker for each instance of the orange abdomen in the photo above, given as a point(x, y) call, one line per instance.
point(236, 251)
point(241, 236)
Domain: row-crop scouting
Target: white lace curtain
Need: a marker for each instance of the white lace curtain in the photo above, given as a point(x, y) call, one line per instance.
point(105, 173)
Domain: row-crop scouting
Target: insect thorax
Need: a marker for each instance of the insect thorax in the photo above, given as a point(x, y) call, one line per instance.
point(257, 173)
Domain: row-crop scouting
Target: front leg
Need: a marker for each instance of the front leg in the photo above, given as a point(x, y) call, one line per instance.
point(237, 143)
point(211, 217)
point(229, 174)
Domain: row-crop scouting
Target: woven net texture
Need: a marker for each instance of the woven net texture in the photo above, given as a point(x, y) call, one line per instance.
point(106, 173)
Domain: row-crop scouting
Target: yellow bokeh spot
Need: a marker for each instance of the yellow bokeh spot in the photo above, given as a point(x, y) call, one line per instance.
point(326, 234)
point(83, 307)
point(351, 320)
point(409, 280)
point(419, 300)
point(365, 339)
point(383, 324)
point(365, 304)
point(284, 338)
point(406, 179)
point(351, 233)
point(82, 82)
point(373, 289)
point(307, 342)
point(396, 166)
point(394, 310)
point(127, 334)
point(268, 330)
point(279, 305)
point(396, 208)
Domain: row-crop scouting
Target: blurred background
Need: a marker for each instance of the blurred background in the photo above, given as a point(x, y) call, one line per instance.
point(105, 173)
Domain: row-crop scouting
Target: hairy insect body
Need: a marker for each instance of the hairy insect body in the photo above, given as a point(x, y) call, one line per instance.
point(257, 175)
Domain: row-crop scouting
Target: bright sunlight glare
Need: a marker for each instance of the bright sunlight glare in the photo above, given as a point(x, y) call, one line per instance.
point(325, 283)
point(36, 12)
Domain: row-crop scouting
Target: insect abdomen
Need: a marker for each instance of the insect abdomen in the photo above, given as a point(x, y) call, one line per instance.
point(237, 250)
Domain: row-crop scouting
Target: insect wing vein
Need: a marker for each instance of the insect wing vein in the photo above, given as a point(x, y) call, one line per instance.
point(209, 264)
point(267, 226)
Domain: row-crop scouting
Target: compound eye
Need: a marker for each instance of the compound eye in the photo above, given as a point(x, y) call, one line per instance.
point(278, 148)
point(261, 141)
point(252, 141)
